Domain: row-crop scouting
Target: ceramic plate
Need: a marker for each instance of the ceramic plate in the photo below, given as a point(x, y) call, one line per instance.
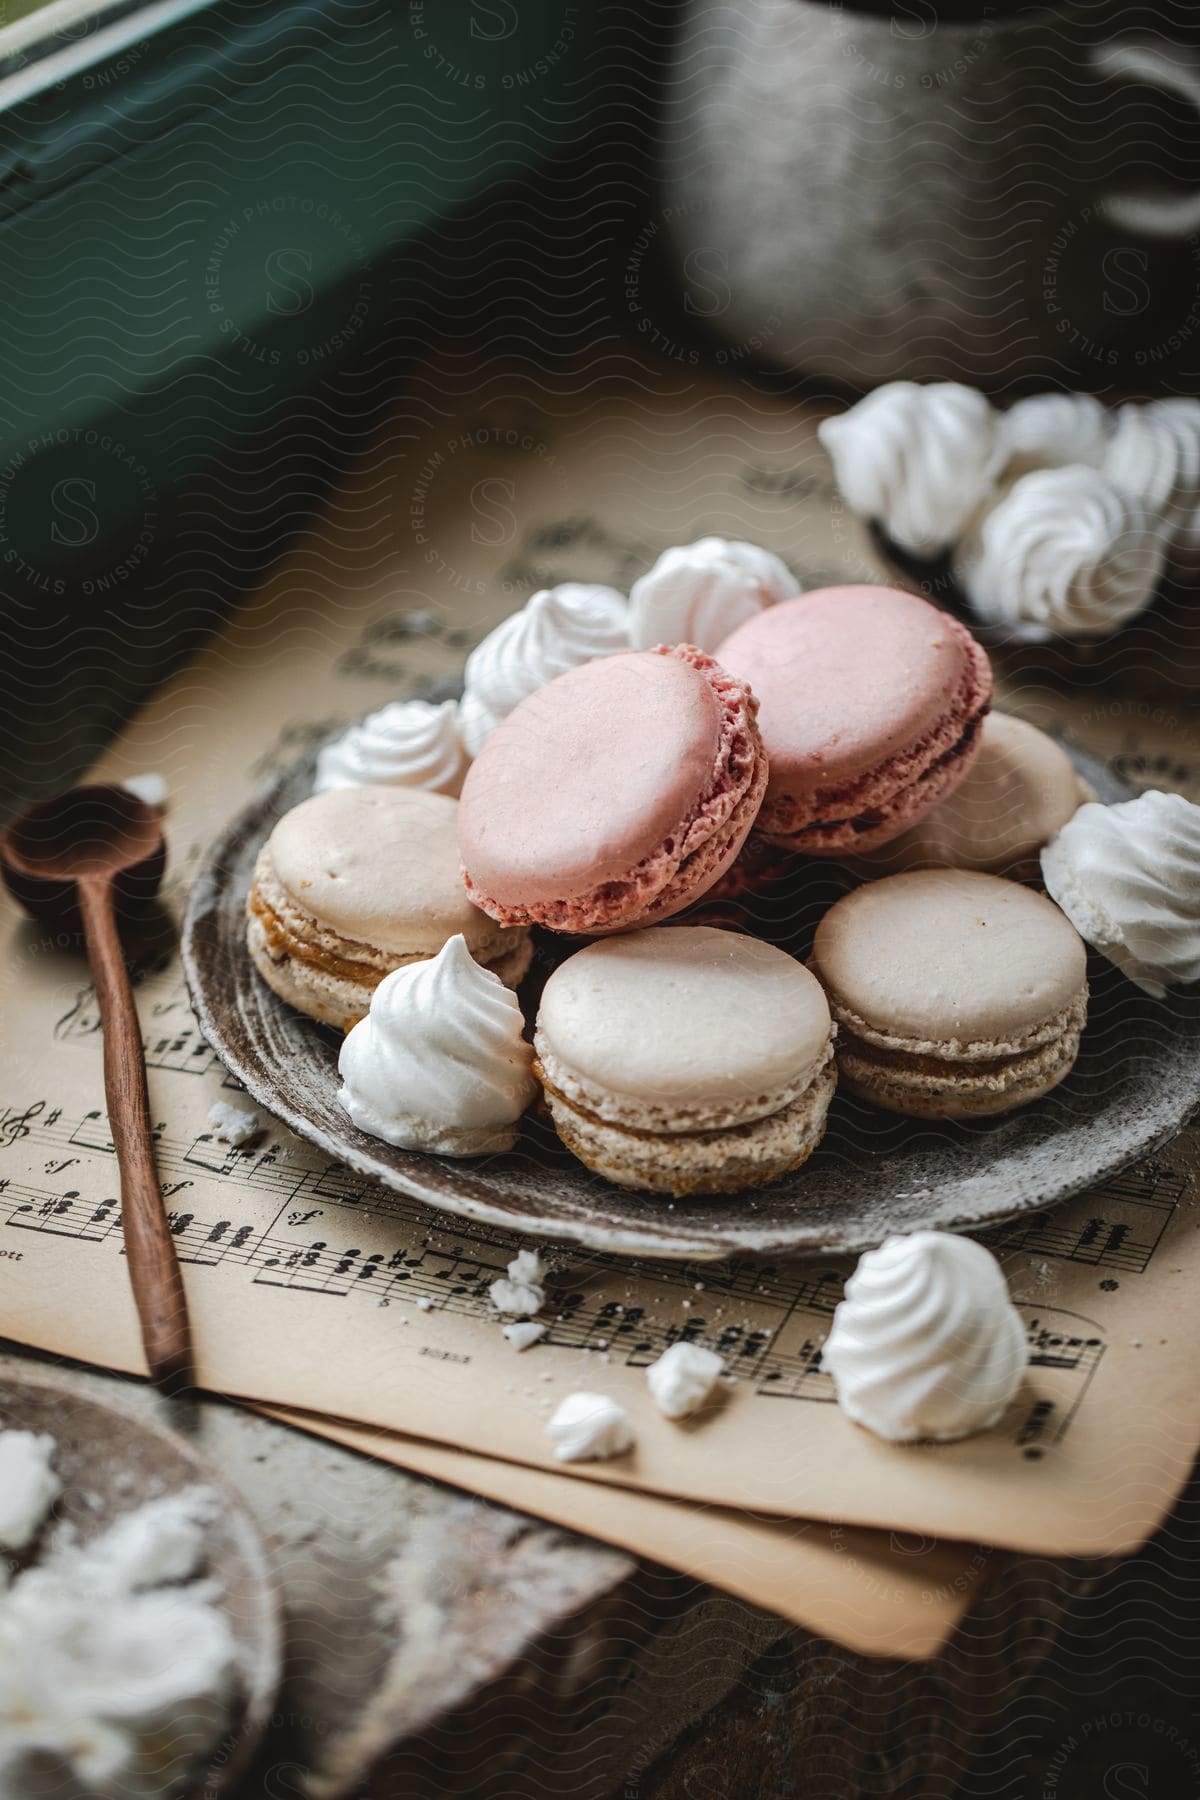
point(1135, 1084)
point(110, 1460)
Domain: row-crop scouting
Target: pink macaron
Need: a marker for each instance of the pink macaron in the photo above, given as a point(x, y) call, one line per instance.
point(615, 795)
point(871, 702)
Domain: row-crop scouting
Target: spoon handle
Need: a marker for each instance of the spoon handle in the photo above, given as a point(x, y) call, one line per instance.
point(149, 1248)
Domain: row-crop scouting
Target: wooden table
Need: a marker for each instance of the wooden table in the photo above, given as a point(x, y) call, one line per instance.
point(519, 1659)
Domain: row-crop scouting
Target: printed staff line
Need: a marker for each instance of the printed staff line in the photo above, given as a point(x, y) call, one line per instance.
point(253, 1245)
point(294, 1182)
point(460, 1287)
point(294, 1177)
point(185, 1051)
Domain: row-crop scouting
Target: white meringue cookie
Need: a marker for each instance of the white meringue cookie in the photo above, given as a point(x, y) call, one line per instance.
point(520, 1290)
point(1063, 552)
point(918, 459)
point(28, 1485)
point(589, 1428)
point(698, 593)
point(1155, 454)
point(1048, 430)
point(683, 1377)
point(439, 1062)
point(407, 744)
point(1182, 417)
point(926, 1343)
point(1128, 878)
point(557, 629)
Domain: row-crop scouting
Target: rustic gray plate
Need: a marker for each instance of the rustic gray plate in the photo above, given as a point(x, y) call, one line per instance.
point(109, 1461)
point(1136, 1083)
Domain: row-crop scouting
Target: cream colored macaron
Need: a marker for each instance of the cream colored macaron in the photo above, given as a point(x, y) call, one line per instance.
point(684, 1059)
point(1021, 790)
point(357, 882)
point(955, 994)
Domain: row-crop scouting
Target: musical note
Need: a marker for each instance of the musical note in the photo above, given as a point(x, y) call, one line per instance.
point(15, 1125)
point(291, 1220)
point(184, 1050)
point(1123, 1234)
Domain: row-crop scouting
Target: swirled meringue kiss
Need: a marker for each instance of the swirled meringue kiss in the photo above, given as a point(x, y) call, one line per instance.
point(410, 743)
point(439, 1063)
point(698, 593)
point(1128, 878)
point(926, 1343)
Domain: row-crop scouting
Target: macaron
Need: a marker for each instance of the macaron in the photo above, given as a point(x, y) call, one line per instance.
point(614, 796)
point(955, 994)
point(356, 882)
point(685, 1060)
point(870, 706)
point(1020, 790)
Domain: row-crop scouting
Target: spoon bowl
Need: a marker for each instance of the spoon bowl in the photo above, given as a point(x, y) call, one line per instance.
point(94, 832)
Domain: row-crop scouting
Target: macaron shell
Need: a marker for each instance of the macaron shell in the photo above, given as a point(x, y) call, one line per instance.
point(948, 957)
point(588, 777)
point(379, 866)
point(1021, 789)
point(685, 1015)
point(846, 678)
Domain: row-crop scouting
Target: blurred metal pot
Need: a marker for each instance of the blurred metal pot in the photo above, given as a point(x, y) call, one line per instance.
point(1009, 195)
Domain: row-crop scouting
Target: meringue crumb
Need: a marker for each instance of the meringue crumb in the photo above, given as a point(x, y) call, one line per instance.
point(524, 1333)
point(28, 1486)
point(521, 1291)
point(683, 1378)
point(150, 788)
point(589, 1428)
point(424, 1303)
point(145, 1664)
point(229, 1126)
point(528, 1266)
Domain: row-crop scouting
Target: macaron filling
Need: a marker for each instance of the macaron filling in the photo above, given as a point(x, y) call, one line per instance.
point(692, 855)
point(1007, 1046)
point(645, 1116)
point(883, 801)
point(916, 1083)
point(723, 1160)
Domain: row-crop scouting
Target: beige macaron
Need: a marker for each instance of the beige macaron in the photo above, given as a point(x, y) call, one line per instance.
point(357, 882)
point(956, 994)
point(684, 1059)
point(1020, 791)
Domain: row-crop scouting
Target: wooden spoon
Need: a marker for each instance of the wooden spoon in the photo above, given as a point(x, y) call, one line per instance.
point(73, 861)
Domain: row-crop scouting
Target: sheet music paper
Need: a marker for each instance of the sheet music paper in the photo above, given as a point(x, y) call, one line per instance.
point(881, 1593)
point(310, 1288)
